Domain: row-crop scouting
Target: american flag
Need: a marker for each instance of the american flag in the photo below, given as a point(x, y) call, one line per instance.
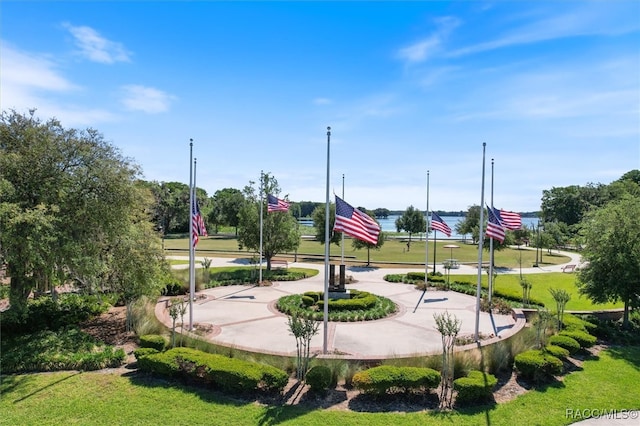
point(437, 224)
point(197, 221)
point(276, 205)
point(495, 228)
point(510, 220)
point(355, 223)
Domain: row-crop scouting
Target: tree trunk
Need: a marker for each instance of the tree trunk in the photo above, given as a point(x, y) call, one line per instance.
point(20, 288)
point(625, 317)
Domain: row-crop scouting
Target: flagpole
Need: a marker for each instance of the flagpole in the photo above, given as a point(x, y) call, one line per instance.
point(327, 243)
point(426, 251)
point(481, 240)
point(192, 284)
point(261, 203)
point(342, 243)
point(491, 245)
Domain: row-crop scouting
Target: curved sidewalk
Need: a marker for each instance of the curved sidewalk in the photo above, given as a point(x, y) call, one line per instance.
point(245, 317)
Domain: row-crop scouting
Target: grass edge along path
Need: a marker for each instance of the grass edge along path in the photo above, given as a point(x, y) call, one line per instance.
point(605, 382)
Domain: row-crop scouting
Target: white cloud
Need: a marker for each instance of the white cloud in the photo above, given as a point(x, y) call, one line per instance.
point(97, 48)
point(595, 18)
point(31, 81)
point(423, 49)
point(31, 71)
point(146, 99)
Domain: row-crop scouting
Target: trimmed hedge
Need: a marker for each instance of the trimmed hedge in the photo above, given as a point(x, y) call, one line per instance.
point(476, 387)
point(582, 337)
point(154, 341)
point(319, 378)
point(360, 300)
point(572, 323)
point(227, 374)
point(391, 379)
point(537, 365)
point(141, 352)
point(557, 351)
point(565, 342)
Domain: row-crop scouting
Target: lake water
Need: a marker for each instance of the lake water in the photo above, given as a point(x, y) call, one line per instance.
point(389, 224)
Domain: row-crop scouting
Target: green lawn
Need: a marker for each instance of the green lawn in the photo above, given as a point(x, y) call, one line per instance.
point(394, 251)
point(100, 398)
point(541, 283)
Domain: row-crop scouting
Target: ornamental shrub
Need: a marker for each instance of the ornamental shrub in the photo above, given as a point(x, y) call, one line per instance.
point(307, 300)
point(565, 342)
point(582, 337)
point(537, 365)
point(227, 374)
point(154, 341)
point(415, 276)
point(140, 352)
point(571, 322)
point(319, 378)
point(391, 379)
point(557, 351)
point(476, 387)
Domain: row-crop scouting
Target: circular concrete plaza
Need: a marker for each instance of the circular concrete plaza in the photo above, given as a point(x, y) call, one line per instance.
point(245, 317)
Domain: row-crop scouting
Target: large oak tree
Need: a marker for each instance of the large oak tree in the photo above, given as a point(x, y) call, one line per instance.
point(612, 254)
point(71, 209)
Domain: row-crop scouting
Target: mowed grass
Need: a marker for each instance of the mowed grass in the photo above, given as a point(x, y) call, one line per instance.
point(393, 251)
point(99, 398)
point(541, 283)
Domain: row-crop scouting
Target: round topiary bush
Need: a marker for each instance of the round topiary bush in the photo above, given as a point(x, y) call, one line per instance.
point(585, 339)
point(154, 341)
point(360, 306)
point(557, 351)
point(391, 379)
point(141, 352)
point(476, 387)
point(537, 365)
point(565, 342)
point(319, 378)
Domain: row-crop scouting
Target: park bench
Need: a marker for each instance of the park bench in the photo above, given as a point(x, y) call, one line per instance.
point(568, 268)
point(279, 264)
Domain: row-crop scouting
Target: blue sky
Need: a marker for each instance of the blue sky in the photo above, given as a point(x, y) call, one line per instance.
point(553, 88)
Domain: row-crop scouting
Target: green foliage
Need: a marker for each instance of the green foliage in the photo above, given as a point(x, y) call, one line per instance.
point(80, 213)
point(319, 378)
point(411, 221)
point(391, 379)
point(476, 387)
point(613, 331)
point(585, 339)
point(572, 322)
point(565, 342)
point(497, 304)
point(537, 365)
point(154, 341)
point(45, 313)
point(277, 231)
point(557, 351)
point(561, 297)
point(227, 374)
point(64, 349)
point(144, 351)
point(303, 329)
point(612, 254)
point(362, 306)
